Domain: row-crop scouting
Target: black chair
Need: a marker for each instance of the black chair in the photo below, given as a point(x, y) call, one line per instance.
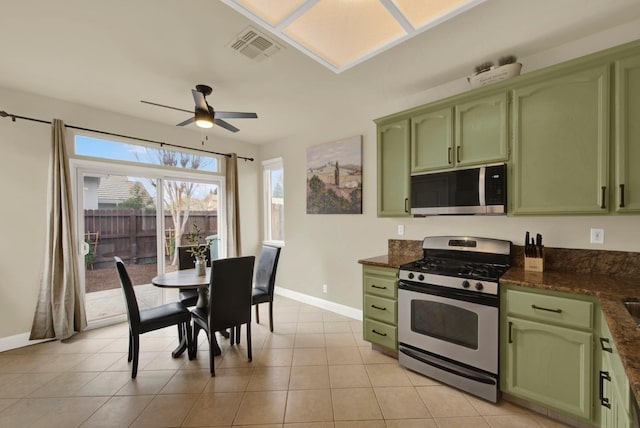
point(265, 280)
point(189, 296)
point(229, 304)
point(143, 321)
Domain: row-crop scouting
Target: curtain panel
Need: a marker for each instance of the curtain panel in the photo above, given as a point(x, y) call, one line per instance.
point(60, 308)
point(233, 207)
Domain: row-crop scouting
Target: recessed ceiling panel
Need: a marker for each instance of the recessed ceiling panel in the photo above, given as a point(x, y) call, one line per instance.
point(420, 13)
point(343, 31)
point(272, 11)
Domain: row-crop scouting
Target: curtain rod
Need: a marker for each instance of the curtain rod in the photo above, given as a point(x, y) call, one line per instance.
point(161, 143)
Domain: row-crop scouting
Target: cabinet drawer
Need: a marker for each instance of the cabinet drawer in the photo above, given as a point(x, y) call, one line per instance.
point(557, 310)
point(381, 333)
point(381, 309)
point(380, 286)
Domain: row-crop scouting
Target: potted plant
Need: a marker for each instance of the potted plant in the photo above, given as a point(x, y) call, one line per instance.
point(486, 73)
point(197, 250)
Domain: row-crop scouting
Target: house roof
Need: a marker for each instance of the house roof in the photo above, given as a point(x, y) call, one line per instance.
point(110, 55)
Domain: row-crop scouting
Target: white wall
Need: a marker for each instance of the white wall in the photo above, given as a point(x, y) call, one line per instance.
point(324, 249)
point(23, 182)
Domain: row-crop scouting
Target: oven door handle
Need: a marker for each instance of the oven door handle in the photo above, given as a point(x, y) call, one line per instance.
point(420, 358)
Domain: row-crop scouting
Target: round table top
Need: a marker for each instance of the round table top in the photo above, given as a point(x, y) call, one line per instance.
point(187, 278)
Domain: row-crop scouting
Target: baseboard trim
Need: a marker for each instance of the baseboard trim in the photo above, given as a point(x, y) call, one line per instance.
point(347, 311)
point(18, 341)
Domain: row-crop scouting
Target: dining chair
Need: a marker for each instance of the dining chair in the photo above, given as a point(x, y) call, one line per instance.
point(265, 280)
point(143, 321)
point(229, 304)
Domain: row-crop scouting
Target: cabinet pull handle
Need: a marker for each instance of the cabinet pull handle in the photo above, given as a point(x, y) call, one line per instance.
point(603, 400)
point(510, 326)
point(406, 205)
point(622, 196)
point(557, 311)
point(604, 193)
point(449, 155)
point(378, 307)
point(603, 345)
point(381, 334)
point(377, 286)
point(458, 154)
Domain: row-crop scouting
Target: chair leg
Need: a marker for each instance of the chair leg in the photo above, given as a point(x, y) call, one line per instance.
point(237, 333)
point(180, 331)
point(130, 356)
point(257, 314)
point(190, 345)
point(194, 339)
point(211, 336)
point(249, 353)
point(271, 316)
point(136, 352)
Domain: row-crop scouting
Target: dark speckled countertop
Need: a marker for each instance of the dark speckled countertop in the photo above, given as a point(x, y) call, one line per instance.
point(611, 276)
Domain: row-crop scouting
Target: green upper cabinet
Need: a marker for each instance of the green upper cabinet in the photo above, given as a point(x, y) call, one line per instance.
point(561, 144)
point(393, 169)
point(627, 134)
point(432, 140)
point(481, 129)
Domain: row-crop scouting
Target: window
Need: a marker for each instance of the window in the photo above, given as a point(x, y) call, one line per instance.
point(273, 200)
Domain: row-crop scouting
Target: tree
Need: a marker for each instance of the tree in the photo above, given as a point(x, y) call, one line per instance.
point(139, 199)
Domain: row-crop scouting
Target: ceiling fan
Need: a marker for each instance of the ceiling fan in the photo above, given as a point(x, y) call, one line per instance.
point(204, 115)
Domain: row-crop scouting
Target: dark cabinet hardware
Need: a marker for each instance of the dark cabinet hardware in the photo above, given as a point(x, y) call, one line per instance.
point(378, 307)
point(510, 327)
point(622, 196)
point(603, 400)
point(557, 311)
point(449, 155)
point(603, 345)
point(604, 193)
point(406, 205)
point(378, 333)
point(458, 154)
point(377, 286)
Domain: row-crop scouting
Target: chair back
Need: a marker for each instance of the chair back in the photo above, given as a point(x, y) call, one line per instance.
point(133, 311)
point(230, 292)
point(266, 270)
point(186, 260)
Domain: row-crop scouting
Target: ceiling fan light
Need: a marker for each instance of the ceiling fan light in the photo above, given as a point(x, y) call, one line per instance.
point(203, 119)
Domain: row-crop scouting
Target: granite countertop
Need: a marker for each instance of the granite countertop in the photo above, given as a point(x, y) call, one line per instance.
point(611, 291)
point(390, 261)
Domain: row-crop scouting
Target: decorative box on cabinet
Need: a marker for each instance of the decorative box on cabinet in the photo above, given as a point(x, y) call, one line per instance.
point(547, 344)
point(380, 306)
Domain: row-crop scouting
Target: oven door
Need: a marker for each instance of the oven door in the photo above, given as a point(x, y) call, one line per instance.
point(458, 326)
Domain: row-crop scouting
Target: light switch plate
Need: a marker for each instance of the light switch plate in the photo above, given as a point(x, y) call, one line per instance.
point(597, 236)
point(400, 229)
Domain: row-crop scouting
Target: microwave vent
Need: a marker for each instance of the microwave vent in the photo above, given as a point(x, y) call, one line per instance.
point(254, 45)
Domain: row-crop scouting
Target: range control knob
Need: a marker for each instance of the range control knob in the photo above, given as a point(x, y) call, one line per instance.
point(479, 286)
point(466, 284)
point(421, 277)
point(411, 275)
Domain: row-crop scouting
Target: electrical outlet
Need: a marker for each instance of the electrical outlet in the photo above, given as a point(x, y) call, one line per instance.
point(324, 288)
point(400, 229)
point(597, 236)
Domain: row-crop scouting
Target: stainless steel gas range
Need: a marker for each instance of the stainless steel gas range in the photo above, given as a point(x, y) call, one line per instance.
point(448, 312)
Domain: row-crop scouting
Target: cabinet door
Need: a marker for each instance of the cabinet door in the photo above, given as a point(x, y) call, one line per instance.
point(627, 134)
point(481, 130)
point(393, 169)
point(561, 145)
point(550, 365)
point(432, 140)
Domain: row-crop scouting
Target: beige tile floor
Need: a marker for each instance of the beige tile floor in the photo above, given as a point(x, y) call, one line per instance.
point(313, 371)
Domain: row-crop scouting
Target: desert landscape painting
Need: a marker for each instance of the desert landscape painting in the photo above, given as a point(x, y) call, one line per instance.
point(334, 177)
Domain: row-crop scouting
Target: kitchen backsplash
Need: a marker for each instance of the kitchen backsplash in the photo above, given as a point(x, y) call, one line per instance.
point(615, 263)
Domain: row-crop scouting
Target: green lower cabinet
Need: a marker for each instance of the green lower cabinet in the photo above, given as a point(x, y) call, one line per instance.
point(380, 306)
point(549, 365)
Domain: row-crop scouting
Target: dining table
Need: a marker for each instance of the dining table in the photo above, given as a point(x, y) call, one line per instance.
point(188, 278)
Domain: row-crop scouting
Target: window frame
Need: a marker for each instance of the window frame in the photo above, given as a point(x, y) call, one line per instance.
point(268, 166)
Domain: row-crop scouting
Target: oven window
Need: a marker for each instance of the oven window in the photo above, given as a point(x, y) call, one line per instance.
point(445, 322)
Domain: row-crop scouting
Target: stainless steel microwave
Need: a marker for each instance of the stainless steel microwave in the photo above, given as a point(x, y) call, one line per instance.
point(477, 190)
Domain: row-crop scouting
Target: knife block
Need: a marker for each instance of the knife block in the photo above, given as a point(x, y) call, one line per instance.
point(534, 264)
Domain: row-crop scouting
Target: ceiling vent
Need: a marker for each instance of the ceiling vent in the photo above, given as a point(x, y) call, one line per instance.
point(254, 45)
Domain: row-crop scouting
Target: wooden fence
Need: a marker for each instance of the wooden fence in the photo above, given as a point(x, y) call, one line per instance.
point(132, 234)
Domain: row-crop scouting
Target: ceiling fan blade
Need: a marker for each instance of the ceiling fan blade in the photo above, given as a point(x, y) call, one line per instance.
point(201, 103)
point(234, 115)
point(225, 125)
point(162, 105)
point(186, 122)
